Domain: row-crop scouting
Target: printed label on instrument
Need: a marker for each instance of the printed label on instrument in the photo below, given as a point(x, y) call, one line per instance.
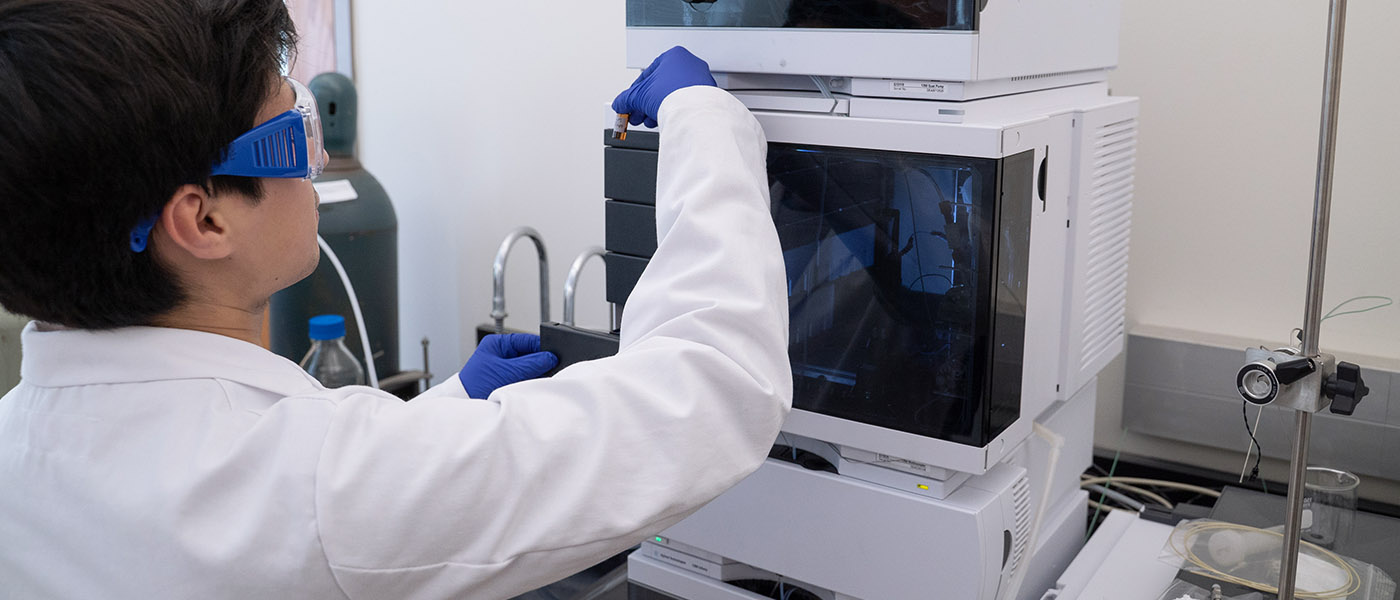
point(918, 87)
point(904, 463)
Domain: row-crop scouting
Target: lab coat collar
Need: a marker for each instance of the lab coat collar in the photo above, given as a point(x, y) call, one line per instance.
point(71, 357)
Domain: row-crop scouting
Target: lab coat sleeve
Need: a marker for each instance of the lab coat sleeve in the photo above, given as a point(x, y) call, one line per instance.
point(445, 498)
point(450, 387)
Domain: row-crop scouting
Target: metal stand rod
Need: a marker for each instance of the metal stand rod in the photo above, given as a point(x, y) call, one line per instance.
point(427, 372)
point(1292, 527)
point(1322, 196)
point(1317, 266)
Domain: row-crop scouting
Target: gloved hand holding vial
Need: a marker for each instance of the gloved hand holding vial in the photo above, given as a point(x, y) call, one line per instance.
point(675, 69)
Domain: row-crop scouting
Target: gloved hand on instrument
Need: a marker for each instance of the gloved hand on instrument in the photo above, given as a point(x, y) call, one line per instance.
point(675, 69)
point(501, 360)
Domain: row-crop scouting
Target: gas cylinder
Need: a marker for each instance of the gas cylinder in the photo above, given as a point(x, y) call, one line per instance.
point(358, 222)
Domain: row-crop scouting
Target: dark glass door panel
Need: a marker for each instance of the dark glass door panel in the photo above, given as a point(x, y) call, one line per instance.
point(1015, 181)
point(906, 283)
point(805, 14)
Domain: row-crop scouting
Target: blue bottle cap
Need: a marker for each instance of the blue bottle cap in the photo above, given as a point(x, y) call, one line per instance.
point(327, 327)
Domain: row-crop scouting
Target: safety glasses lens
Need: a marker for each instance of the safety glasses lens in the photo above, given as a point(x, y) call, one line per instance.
point(311, 119)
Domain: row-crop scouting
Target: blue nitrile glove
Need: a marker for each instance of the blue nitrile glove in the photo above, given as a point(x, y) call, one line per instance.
point(675, 69)
point(501, 360)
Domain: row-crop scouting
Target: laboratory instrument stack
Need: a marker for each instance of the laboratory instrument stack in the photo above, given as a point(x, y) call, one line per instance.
point(952, 187)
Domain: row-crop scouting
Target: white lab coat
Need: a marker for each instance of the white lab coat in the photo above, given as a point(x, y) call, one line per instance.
point(163, 463)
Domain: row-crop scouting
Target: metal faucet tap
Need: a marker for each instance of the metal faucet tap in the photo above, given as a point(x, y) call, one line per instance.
point(498, 276)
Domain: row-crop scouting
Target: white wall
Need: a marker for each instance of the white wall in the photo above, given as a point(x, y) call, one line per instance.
point(479, 117)
point(1231, 104)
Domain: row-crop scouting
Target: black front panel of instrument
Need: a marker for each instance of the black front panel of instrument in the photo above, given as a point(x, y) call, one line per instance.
point(906, 277)
point(956, 15)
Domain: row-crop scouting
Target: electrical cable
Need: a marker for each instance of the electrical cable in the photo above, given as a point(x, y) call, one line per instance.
point(355, 307)
point(1153, 482)
point(1333, 313)
point(1115, 496)
point(1249, 451)
point(1145, 493)
point(1254, 441)
point(1103, 507)
point(1111, 469)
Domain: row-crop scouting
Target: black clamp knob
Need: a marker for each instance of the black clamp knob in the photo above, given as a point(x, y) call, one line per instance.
point(1290, 371)
point(1345, 388)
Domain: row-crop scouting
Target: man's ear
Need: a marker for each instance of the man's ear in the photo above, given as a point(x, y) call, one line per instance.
point(192, 222)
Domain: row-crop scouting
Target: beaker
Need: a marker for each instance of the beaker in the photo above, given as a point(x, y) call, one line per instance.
point(1329, 505)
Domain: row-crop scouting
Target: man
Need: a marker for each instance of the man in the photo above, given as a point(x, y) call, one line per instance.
point(152, 450)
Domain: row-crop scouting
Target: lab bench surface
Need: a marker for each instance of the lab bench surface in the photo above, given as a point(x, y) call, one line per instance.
point(1374, 539)
point(1120, 561)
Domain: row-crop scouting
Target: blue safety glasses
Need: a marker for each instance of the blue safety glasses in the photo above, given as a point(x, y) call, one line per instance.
point(286, 146)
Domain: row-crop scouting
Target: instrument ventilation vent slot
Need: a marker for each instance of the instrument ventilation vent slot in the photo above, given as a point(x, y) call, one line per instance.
point(1109, 201)
point(1020, 538)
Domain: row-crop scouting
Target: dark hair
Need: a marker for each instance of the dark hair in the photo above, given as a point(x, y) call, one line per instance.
point(106, 108)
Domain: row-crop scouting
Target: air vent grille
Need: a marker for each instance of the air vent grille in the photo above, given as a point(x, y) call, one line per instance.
point(1020, 537)
point(1109, 202)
